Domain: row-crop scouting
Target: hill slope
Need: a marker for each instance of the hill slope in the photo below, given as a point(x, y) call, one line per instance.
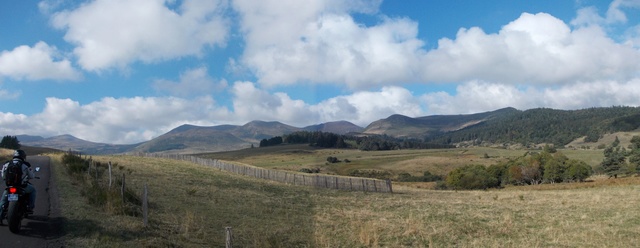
point(542, 125)
point(503, 126)
point(337, 127)
point(421, 127)
point(69, 142)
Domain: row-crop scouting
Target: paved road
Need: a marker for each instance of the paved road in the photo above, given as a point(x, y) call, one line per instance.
point(39, 228)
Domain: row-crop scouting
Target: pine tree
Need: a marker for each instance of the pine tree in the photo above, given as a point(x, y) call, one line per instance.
point(10, 142)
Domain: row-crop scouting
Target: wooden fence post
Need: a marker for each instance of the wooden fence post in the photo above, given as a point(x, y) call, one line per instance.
point(109, 174)
point(89, 168)
point(229, 237)
point(123, 185)
point(145, 206)
point(389, 185)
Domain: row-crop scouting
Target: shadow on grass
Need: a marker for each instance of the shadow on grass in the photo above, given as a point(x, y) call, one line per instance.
point(60, 228)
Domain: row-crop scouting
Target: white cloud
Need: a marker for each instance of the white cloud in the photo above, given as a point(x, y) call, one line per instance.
point(36, 63)
point(364, 107)
point(132, 120)
point(319, 41)
point(251, 103)
point(111, 120)
point(320, 44)
point(361, 108)
point(587, 16)
point(192, 82)
point(538, 49)
point(615, 14)
point(115, 33)
point(476, 96)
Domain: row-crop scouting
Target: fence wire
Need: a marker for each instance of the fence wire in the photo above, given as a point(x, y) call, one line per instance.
point(294, 178)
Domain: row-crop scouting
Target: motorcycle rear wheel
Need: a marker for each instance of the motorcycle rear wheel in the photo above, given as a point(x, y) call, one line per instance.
point(14, 217)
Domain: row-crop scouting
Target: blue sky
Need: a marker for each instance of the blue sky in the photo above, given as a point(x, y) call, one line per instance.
point(126, 71)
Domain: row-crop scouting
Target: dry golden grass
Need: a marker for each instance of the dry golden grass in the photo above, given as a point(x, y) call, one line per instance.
point(191, 205)
point(415, 162)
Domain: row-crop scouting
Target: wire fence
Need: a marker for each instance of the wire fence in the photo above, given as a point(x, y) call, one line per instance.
point(294, 178)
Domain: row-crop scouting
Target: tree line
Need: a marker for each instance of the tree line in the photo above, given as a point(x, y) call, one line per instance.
point(544, 125)
point(548, 166)
point(364, 143)
point(619, 160)
point(10, 142)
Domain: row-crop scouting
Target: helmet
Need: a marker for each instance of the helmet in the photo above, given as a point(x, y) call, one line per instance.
point(20, 154)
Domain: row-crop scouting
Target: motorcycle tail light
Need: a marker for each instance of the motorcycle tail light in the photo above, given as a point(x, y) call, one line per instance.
point(13, 190)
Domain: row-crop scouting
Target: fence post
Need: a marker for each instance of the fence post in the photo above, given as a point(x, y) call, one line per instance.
point(145, 206)
point(364, 185)
point(350, 184)
point(375, 188)
point(109, 174)
point(229, 237)
point(123, 185)
point(389, 185)
point(89, 167)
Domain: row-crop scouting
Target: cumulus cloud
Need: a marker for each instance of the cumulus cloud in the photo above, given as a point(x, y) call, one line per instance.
point(114, 120)
point(615, 14)
point(319, 41)
point(132, 120)
point(36, 63)
point(537, 49)
point(115, 33)
point(478, 96)
point(252, 103)
point(365, 107)
point(321, 44)
point(192, 82)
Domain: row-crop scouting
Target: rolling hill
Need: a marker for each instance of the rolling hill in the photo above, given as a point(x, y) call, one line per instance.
point(190, 138)
point(69, 142)
point(503, 126)
point(401, 126)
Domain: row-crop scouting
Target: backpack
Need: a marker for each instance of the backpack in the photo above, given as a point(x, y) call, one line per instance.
point(13, 173)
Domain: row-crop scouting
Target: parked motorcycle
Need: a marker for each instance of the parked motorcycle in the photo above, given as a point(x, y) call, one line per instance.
point(17, 209)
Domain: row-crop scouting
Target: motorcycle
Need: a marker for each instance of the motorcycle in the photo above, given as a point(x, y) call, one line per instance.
point(17, 209)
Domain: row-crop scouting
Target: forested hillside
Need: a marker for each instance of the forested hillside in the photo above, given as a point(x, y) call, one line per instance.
point(543, 125)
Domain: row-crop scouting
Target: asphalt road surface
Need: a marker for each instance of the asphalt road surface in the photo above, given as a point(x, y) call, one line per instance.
point(40, 228)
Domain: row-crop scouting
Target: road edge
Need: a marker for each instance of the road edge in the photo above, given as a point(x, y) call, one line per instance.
point(56, 222)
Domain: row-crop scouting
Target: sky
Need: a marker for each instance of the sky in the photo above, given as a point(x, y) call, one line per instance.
point(127, 71)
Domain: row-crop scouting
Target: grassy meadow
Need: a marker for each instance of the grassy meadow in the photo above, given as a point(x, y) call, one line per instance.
point(191, 205)
point(415, 162)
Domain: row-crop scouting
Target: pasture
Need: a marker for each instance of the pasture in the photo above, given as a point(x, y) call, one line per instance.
point(415, 162)
point(190, 206)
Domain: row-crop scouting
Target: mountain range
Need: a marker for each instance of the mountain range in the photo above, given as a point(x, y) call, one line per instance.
point(507, 125)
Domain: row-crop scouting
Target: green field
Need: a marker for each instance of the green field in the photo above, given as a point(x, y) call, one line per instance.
point(191, 205)
point(415, 162)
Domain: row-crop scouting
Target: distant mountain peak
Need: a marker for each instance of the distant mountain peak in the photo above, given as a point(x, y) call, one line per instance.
point(337, 127)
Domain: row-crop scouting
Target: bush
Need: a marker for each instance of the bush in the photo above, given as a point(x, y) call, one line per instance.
point(97, 192)
point(577, 171)
point(470, 177)
point(428, 177)
point(307, 170)
point(370, 174)
point(332, 159)
point(74, 163)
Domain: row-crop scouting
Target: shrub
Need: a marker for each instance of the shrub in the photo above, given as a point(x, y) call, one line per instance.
point(332, 159)
point(470, 177)
point(378, 174)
